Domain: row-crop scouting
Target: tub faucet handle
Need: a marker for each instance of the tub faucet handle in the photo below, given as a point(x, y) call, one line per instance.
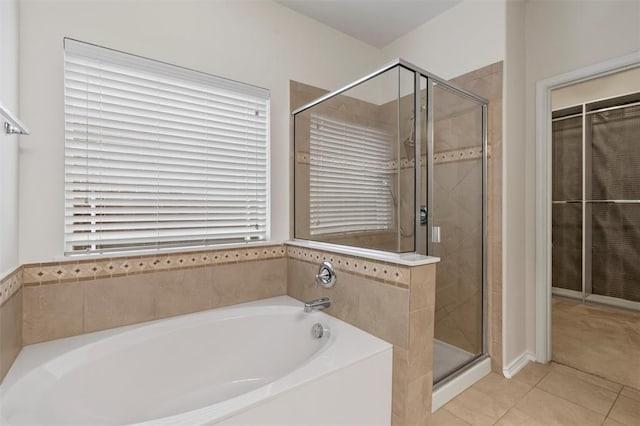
point(326, 276)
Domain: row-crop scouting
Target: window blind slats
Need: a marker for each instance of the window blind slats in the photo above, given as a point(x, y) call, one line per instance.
point(150, 83)
point(349, 184)
point(159, 156)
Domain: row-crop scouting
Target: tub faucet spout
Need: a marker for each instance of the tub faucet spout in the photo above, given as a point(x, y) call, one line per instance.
point(318, 304)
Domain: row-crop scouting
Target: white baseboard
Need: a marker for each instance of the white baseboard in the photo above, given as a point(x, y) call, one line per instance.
point(518, 364)
point(451, 389)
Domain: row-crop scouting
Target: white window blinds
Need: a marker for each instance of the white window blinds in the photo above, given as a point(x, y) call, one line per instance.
point(350, 177)
point(160, 156)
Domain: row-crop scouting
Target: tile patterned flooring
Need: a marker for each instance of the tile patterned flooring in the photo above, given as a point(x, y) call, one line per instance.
point(586, 338)
point(551, 394)
point(600, 340)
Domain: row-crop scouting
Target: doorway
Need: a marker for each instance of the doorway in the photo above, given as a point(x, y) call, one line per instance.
point(586, 303)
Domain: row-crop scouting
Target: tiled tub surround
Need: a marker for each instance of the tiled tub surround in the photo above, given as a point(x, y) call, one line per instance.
point(74, 297)
point(10, 319)
point(184, 374)
point(391, 301)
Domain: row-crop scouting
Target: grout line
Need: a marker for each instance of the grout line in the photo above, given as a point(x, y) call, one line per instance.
point(516, 403)
point(612, 405)
point(571, 402)
point(589, 373)
point(453, 414)
point(543, 377)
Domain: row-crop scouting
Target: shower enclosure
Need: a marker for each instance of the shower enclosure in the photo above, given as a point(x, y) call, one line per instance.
point(596, 202)
point(397, 161)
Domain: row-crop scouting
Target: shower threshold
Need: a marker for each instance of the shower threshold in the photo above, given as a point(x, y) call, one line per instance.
point(447, 359)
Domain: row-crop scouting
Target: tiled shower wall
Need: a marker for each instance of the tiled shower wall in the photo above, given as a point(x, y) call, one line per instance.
point(10, 319)
point(358, 112)
point(458, 299)
point(487, 82)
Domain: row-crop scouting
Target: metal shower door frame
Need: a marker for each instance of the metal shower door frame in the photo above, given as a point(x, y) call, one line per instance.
point(432, 80)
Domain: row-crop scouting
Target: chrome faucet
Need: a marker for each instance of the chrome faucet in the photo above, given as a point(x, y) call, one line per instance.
point(317, 305)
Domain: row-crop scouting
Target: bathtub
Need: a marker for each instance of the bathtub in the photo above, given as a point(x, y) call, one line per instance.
point(255, 363)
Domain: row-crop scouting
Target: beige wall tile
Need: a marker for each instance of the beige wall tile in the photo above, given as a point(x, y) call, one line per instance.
point(246, 282)
point(384, 311)
point(10, 331)
point(114, 302)
point(422, 287)
point(184, 291)
point(421, 342)
point(400, 381)
point(344, 296)
point(397, 419)
point(378, 308)
point(58, 310)
point(419, 400)
point(52, 311)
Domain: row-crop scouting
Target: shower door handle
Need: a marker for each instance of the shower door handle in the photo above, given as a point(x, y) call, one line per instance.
point(435, 234)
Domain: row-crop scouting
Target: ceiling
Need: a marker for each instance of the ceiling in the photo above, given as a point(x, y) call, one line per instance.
point(375, 22)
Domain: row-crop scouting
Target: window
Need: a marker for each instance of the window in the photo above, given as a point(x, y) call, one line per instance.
point(159, 156)
point(350, 179)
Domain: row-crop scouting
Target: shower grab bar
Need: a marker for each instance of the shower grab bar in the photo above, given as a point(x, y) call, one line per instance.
point(598, 202)
point(12, 125)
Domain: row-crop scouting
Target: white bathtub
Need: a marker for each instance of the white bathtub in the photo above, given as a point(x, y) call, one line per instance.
point(254, 363)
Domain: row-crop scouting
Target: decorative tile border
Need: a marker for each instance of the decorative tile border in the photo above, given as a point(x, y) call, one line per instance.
point(469, 153)
point(396, 275)
point(79, 270)
point(10, 285)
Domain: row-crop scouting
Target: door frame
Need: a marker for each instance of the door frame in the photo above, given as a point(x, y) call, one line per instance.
point(543, 186)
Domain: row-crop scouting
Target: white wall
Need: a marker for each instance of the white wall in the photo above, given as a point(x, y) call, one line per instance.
point(609, 86)
point(260, 43)
point(514, 213)
point(562, 36)
point(469, 36)
point(8, 144)
point(464, 38)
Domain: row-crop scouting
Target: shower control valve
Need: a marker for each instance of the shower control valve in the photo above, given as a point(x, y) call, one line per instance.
point(326, 276)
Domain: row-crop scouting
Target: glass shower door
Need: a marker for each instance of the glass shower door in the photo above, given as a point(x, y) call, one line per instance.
point(456, 228)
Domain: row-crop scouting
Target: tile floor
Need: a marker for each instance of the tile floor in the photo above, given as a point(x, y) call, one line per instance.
point(600, 340)
point(551, 394)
